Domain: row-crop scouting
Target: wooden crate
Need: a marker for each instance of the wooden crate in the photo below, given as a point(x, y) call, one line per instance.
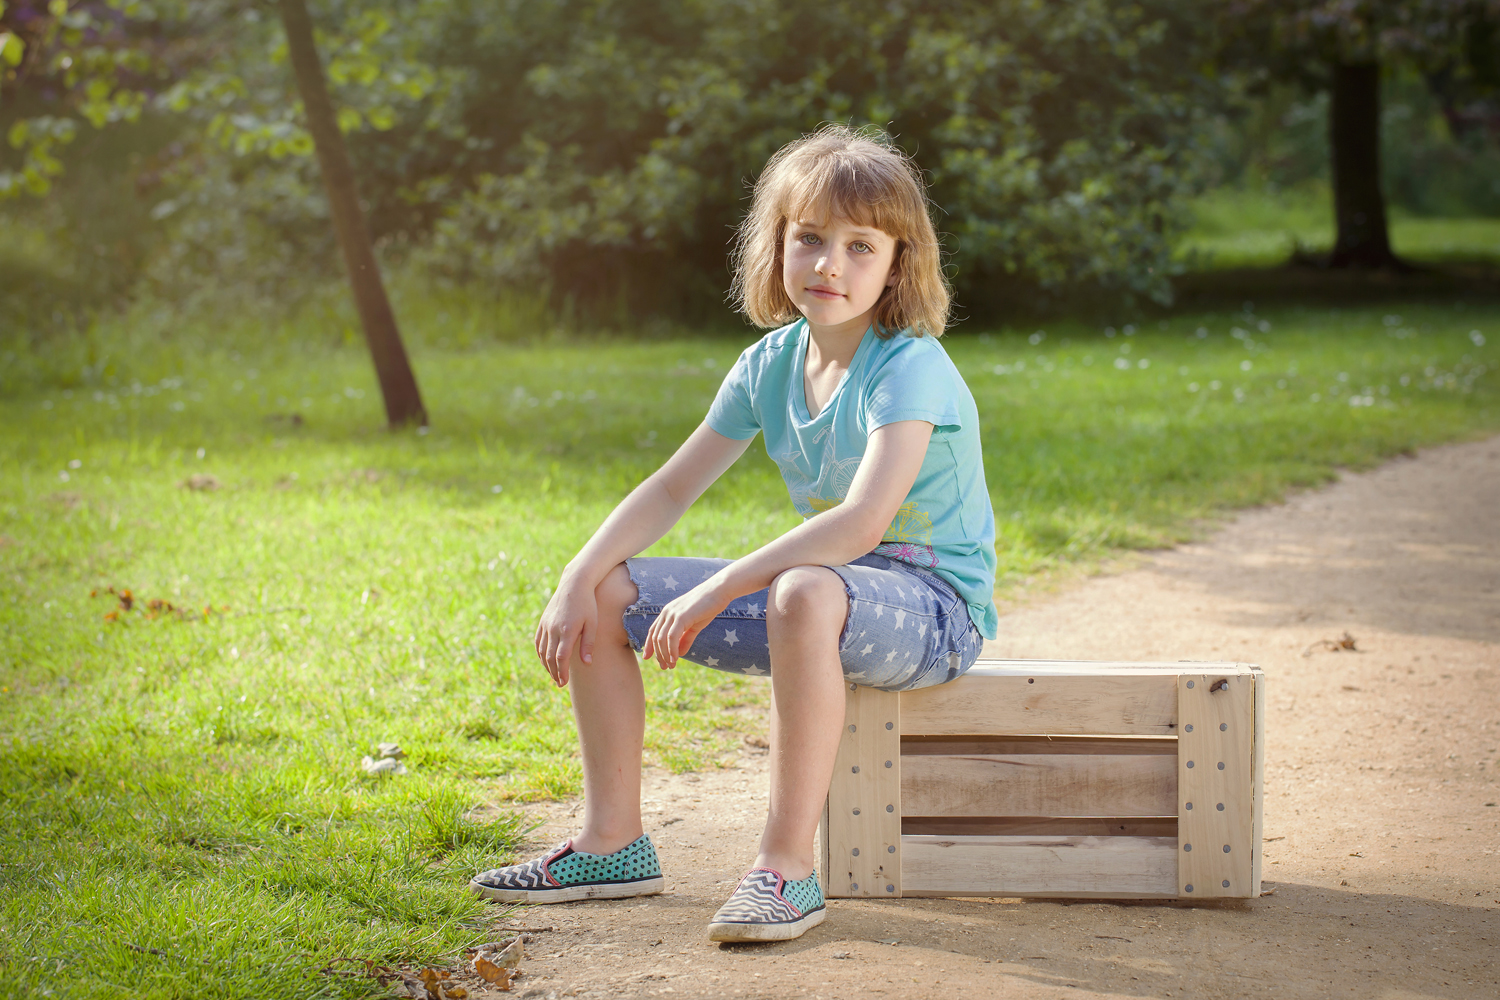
point(1052, 779)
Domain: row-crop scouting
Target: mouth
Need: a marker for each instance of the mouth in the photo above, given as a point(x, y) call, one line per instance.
point(824, 292)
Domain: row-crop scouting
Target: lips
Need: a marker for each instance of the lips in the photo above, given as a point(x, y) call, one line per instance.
point(824, 292)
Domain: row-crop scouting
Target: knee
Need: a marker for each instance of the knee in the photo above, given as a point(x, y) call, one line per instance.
point(814, 594)
point(615, 593)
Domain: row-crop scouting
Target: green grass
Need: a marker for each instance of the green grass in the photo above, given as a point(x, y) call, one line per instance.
point(190, 782)
point(1247, 227)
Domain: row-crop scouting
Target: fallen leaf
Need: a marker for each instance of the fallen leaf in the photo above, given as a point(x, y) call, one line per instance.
point(388, 765)
point(510, 956)
point(759, 742)
point(454, 992)
point(390, 750)
point(490, 972)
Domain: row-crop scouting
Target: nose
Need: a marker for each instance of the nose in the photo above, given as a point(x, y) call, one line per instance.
point(828, 265)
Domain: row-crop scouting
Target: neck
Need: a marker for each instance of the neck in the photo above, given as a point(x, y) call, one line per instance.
point(838, 343)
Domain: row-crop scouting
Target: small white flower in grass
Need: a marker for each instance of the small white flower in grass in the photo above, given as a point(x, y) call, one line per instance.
point(1245, 366)
point(63, 476)
point(1215, 385)
point(1315, 398)
point(202, 452)
point(497, 488)
point(1143, 363)
point(1477, 338)
point(1122, 363)
point(75, 464)
point(1192, 387)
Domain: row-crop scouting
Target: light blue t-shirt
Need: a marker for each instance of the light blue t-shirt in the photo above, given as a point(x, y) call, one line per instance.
point(946, 524)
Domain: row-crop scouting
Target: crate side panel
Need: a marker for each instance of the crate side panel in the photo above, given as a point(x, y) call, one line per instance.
point(1099, 704)
point(1215, 781)
point(1038, 784)
point(862, 829)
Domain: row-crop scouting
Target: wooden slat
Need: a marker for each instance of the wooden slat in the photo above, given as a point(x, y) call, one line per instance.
point(1258, 789)
point(1123, 703)
point(1027, 668)
point(862, 823)
point(1078, 867)
point(1039, 784)
point(1215, 783)
point(972, 744)
point(1067, 826)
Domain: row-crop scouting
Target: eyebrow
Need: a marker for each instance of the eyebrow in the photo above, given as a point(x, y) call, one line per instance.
point(858, 231)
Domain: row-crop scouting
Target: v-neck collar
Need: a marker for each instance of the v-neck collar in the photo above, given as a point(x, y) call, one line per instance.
point(801, 412)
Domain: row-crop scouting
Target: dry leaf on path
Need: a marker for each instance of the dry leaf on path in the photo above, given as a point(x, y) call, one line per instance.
point(490, 972)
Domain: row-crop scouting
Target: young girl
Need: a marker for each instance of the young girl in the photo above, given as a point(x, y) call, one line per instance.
point(888, 581)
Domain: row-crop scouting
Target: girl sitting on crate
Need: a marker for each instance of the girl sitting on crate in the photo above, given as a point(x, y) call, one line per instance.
point(887, 582)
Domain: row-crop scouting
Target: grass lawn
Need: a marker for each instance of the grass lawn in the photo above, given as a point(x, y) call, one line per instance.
point(1239, 228)
point(186, 778)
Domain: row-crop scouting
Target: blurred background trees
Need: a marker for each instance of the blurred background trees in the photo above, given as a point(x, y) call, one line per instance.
point(597, 152)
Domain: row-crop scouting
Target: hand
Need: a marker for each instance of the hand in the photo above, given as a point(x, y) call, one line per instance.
point(569, 623)
point(679, 623)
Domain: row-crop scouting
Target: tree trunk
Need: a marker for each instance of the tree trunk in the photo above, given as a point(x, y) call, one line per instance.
point(1359, 205)
point(398, 386)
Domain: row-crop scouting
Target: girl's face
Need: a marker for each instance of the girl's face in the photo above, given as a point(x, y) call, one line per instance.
point(835, 270)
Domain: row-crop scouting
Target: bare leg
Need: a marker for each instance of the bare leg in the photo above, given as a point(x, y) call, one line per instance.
point(609, 707)
point(805, 615)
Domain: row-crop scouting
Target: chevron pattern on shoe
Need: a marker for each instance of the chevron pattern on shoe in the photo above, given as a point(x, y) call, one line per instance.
point(758, 900)
point(532, 874)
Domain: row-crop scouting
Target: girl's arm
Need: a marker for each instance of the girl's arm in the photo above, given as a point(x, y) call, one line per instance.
point(891, 462)
point(648, 513)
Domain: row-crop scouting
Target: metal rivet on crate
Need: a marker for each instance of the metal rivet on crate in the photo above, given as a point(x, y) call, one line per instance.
point(1225, 883)
point(1031, 680)
point(1221, 807)
point(1221, 765)
point(856, 812)
point(852, 728)
point(1188, 887)
point(1226, 848)
point(890, 725)
point(1188, 728)
point(890, 888)
point(1189, 807)
point(1190, 684)
point(853, 886)
point(891, 849)
point(854, 769)
point(890, 809)
point(855, 852)
point(1190, 763)
point(1187, 847)
point(1223, 727)
point(853, 687)
point(887, 763)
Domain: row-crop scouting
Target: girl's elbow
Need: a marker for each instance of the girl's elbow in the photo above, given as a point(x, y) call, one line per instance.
point(871, 536)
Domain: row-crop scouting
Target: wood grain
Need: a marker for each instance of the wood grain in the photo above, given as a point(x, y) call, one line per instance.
point(862, 822)
point(1216, 783)
point(1039, 784)
point(1044, 866)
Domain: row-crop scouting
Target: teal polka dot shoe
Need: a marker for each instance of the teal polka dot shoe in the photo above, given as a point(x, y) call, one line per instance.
point(563, 875)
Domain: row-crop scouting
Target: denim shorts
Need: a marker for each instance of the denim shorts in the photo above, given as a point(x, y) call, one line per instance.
point(906, 627)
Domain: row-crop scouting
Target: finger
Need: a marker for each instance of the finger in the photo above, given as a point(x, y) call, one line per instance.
point(688, 638)
point(586, 640)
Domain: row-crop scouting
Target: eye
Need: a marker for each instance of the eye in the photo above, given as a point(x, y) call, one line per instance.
point(809, 239)
point(860, 246)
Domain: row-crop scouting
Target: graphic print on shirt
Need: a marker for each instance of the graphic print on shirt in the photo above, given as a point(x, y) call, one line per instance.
point(835, 476)
point(909, 538)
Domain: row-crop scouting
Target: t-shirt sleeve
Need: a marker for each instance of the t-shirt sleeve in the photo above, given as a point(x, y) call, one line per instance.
point(917, 383)
point(731, 413)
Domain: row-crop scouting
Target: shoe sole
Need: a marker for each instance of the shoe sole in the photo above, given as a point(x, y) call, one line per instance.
point(570, 893)
point(766, 932)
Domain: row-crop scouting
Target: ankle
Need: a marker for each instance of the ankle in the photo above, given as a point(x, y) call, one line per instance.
point(793, 868)
point(604, 841)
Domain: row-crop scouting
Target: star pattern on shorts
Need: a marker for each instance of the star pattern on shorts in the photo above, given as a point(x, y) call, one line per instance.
point(858, 675)
point(670, 582)
point(755, 670)
point(879, 610)
point(754, 608)
point(891, 655)
point(730, 637)
point(900, 619)
point(869, 648)
point(922, 630)
point(712, 661)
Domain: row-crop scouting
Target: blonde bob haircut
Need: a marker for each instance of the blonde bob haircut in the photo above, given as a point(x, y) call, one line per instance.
point(857, 175)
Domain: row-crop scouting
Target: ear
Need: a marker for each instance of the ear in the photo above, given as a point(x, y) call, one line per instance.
point(895, 275)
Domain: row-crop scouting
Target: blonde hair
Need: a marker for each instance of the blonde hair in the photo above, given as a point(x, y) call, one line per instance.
point(860, 176)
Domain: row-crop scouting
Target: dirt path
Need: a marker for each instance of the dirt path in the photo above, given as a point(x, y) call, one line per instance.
point(1383, 773)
